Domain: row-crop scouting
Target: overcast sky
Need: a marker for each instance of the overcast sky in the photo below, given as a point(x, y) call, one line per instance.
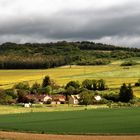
point(108, 21)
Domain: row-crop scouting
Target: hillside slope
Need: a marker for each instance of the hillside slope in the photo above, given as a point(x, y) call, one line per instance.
point(49, 55)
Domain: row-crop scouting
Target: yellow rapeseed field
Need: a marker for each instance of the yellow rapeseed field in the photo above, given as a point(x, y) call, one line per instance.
point(113, 74)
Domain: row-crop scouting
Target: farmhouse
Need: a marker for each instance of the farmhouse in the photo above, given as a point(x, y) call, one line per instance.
point(27, 105)
point(58, 99)
point(55, 99)
point(39, 98)
point(74, 99)
point(97, 98)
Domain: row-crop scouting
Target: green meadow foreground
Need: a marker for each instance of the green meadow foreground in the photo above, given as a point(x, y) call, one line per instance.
point(95, 121)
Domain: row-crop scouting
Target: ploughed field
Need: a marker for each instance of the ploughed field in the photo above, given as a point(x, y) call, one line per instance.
point(112, 73)
point(31, 136)
point(97, 121)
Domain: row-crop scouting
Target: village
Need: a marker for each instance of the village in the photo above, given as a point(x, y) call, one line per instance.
point(55, 99)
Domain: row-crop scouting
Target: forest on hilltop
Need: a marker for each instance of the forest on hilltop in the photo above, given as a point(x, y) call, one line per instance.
point(49, 55)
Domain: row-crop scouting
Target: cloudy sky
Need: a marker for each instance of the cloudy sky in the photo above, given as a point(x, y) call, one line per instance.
point(108, 21)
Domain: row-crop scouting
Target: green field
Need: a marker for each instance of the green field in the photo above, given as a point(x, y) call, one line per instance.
point(14, 109)
point(113, 74)
point(97, 121)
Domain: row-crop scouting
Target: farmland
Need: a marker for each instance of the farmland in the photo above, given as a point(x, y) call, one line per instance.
point(113, 74)
point(115, 121)
point(16, 109)
point(31, 136)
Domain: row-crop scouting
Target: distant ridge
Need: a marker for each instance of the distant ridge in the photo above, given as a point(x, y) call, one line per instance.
point(54, 54)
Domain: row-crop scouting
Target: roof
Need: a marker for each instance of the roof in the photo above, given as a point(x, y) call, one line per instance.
point(58, 98)
point(39, 97)
point(75, 97)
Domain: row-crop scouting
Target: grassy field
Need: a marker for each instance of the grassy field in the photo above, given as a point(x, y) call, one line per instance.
point(9, 109)
point(113, 74)
point(98, 121)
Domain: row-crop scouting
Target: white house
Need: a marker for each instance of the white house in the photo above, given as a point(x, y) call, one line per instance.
point(74, 99)
point(97, 98)
point(46, 98)
point(27, 105)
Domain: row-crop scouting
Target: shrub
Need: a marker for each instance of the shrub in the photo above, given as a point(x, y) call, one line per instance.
point(137, 83)
point(112, 96)
point(129, 63)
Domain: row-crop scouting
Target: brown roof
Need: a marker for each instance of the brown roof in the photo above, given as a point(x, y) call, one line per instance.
point(39, 97)
point(58, 97)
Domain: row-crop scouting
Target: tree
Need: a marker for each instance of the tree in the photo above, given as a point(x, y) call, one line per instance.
point(35, 87)
point(46, 81)
point(6, 98)
point(74, 84)
point(94, 84)
point(86, 98)
point(12, 93)
point(101, 84)
point(22, 85)
point(87, 84)
point(126, 93)
point(130, 92)
point(22, 96)
point(48, 90)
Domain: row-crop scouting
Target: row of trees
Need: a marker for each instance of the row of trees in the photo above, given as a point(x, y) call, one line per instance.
point(32, 62)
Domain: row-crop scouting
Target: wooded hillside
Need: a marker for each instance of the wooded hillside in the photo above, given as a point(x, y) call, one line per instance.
point(48, 55)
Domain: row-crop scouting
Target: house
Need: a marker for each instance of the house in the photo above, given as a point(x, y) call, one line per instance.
point(39, 98)
point(97, 98)
point(74, 99)
point(46, 98)
point(27, 105)
point(55, 99)
point(58, 99)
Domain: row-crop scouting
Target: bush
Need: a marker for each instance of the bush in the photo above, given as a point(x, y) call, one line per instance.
point(129, 63)
point(137, 83)
point(112, 96)
point(102, 101)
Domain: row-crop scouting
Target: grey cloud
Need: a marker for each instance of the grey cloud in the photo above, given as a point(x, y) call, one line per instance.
point(118, 22)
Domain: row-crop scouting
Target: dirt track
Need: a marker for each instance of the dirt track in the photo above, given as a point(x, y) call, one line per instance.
point(28, 136)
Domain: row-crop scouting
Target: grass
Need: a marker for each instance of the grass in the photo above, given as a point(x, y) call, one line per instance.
point(99, 121)
point(113, 74)
point(14, 109)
